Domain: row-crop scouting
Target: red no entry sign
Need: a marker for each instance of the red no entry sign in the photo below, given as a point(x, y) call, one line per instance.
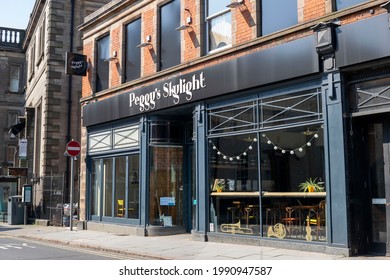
point(73, 148)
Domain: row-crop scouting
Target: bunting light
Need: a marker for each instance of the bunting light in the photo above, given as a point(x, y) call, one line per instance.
point(233, 157)
point(292, 151)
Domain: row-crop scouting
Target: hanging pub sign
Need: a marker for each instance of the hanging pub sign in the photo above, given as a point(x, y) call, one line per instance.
point(76, 64)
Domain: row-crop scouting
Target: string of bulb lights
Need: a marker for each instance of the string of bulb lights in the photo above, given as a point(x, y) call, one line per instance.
point(293, 151)
point(269, 142)
point(237, 157)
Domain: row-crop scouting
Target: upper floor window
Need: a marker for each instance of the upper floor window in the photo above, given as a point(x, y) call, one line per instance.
point(31, 64)
point(278, 14)
point(343, 4)
point(218, 24)
point(102, 65)
point(133, 54)
point(14, 78)
point(169, 37)
point(41, 42)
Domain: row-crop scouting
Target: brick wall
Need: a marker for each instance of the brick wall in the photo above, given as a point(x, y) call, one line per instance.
point(149, 53)
point(115, 72)
point(87, 88)
point(313, 9)
point(244, 26)
point(244, 22)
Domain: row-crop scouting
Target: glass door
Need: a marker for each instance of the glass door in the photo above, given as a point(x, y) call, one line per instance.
point(378, 145)
point(166, 186)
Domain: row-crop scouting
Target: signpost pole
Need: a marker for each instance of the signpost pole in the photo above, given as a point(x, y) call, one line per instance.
point(71, 194)
point(73, 150)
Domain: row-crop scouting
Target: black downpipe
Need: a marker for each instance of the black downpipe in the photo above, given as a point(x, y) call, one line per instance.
point(70, 83)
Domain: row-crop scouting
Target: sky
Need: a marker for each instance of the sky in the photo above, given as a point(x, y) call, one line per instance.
point(15, 13)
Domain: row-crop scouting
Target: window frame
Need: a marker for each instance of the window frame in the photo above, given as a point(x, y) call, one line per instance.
point(348, 6)
point(31, 63)
point(97, 64)
point(207, 21)
point(19, 81)
point(127, 53)
point(175, 33)
point(273, 30)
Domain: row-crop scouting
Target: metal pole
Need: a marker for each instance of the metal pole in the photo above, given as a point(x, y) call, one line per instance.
point(71, 194)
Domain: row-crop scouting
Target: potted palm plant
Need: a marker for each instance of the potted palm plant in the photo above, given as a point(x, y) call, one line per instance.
point(310, 185)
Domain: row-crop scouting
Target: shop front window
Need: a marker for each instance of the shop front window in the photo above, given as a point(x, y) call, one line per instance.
point(95, 187)
point(292, 180)
point(133, 192)
point(234, 185)
point(107, 187)
point(266, 166)
point(115, 187)
point(120, 187)
point(166, 186)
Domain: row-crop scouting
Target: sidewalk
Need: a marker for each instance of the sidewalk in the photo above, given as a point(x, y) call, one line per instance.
point(180, 247)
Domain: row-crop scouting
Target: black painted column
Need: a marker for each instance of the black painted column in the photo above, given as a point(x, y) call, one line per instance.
point(202, 198)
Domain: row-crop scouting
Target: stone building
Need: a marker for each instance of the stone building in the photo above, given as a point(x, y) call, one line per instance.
point(12, 82)
point(212, 117)
point(52, 99)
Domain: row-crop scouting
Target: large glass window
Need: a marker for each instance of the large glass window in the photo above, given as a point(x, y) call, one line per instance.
point(102, 66)
point(133, 54)
point(343, 4)
point(218, 24)
point(292, 180)
point(115, 187)
point(280, 136)
point(278, 14)
point(133, 190)
point(120, 187)
point(169, 37)
point(107, 187)
point(96, 176)
point(234, 185)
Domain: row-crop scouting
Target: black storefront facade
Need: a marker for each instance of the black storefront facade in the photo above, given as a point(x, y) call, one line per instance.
point(222, 152)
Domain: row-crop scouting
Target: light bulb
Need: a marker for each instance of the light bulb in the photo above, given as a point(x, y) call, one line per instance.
point(308, 144)
point(269, 142)
point(300, 149)
point(292, 152)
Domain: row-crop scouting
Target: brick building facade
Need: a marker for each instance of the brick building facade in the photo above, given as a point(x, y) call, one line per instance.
point(186, 97)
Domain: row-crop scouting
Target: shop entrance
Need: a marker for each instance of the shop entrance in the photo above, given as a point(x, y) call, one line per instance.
point(170, 174)
point(372, 195)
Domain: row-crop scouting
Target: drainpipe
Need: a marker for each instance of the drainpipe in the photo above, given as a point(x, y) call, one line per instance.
point(68, 136)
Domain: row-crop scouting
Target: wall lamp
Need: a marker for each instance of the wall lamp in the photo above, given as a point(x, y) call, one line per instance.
point(113, 57)
point(146, 43)
point(235, 4)
point(325, 37)
point(186, 25)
